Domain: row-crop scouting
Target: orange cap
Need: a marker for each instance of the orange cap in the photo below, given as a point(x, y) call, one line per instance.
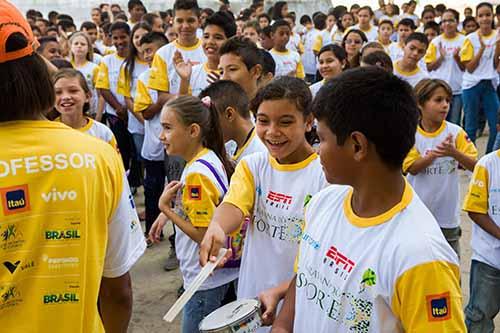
point(12, 21)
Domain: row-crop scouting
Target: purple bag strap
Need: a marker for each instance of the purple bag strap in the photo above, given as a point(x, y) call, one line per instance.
point(215, 173)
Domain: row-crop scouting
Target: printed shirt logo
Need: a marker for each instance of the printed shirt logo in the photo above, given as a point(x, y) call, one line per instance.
point(9, 296)
point(11, 266)
point(368, 279)
point(438, 307)
point(279, 200)
point(334, 258)
point(194, 192)
point(15, 199)
point(10, 237)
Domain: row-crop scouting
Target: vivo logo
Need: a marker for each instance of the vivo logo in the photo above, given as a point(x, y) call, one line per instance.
point(56, 195)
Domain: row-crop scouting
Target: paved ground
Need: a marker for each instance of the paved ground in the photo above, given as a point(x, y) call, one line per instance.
point(155, 289)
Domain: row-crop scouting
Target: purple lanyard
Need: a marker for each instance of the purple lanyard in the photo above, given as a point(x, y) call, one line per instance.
point(215, 173)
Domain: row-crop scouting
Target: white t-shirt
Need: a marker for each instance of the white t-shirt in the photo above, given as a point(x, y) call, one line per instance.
point(316, 87)
point(371, 34)
point(391, 273)
point(109, 72)
point(309, 58)
point(90, 71)
point(288, 62)
point(438, 186)
point(253, 145)
point(486, 69)
point(199, 78)
point(449, 70)
point(274, 195)
point(294, 44)
point(163, 76)
point(484, 198)
point(196, 202)
point(152, 148)
point(128, 87)
point(412, 77)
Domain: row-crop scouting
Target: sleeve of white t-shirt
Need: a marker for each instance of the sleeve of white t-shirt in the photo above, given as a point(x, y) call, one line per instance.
point(126, 242)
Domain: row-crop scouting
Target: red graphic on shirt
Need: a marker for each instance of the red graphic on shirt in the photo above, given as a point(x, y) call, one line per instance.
point(336, 257)
point(279, 198)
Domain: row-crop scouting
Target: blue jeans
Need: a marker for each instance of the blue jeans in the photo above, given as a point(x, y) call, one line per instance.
point(154, 182)
point(481, 94)
point(496, 146)
point(455, 114)
point(201, 305)
point(484, 301)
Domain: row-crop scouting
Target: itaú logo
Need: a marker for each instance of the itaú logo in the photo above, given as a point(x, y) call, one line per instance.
point(56, 195)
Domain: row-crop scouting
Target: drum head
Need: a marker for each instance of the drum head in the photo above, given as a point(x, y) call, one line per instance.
point(229, 314)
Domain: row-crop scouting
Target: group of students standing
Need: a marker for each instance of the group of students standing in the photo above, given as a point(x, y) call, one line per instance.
point(359, 233)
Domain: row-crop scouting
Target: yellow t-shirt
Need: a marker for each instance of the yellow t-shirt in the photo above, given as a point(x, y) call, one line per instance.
point(66, 220)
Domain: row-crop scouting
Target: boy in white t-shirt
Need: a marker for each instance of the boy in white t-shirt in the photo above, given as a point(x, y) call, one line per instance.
point(408, 67)
point(288, 63)
point(364, 263)
point(483, 205)
point(308, 38)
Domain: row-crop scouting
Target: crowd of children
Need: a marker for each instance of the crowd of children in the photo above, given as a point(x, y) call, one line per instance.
point(325, 155)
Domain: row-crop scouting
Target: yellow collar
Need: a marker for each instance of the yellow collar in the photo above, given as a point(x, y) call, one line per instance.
point(292, 167)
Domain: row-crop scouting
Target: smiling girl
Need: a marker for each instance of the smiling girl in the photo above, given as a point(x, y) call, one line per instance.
point(353, 43)
point(272, 188)
point(332, 61)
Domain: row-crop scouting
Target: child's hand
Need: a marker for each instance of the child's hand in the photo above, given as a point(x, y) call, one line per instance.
point(442, 50)
point(215, 238)
point(168, 195)
point(183, 69)
point(269, 300)
point(446, 148)
point(156, 229)
point(481, 41)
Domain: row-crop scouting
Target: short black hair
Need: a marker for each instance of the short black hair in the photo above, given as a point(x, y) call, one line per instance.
point(61, 63)
point(187, 5)
point(52, 14)
point(407, 22)
point(150, 18)
point(224, 94)
point(244, 48)
point(418, 36)
point(428, 10)
point(305, 19)
point(440, 7)
point(320, 21)
point(387, 114)
point(268, 63)
point(285, 87)
point(87, 25)
point(380, 59)
point(264, 15)
point(154, 37)
point(29, 91)
point(455, 13)
point(224, 20)
point(66, 24)
point(279, 23)
point(470, 19)
point(119, 26)
point(134, 3)
point(43, 41)
point(267, 31)
point(64, 17)
point(432, 25)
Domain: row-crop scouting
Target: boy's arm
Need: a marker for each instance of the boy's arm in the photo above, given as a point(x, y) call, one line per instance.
point(115, 303)
point(414, 163)
point(228, 216)
point(284, 321)
point(486, 223)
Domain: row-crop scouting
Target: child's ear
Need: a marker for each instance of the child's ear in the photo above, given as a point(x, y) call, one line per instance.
point(359, 146)
point(309, 120)
point(230, 114)
point(256, 71)
point(88, 96)
point(194, 130)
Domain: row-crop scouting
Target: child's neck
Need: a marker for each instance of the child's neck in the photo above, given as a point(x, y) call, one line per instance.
point(192, 151)
point(75, 121)
point(140, 56)
point(376, 191)
point(485, 31)
point(187, 42)
point(280, 48)
point(242, 130)
point(79, 61)
point(213, 63)
point(430, 126)
point(451, 34)
point(384, 41)
point(299, 155)
point(365, 26)
point(407, 66)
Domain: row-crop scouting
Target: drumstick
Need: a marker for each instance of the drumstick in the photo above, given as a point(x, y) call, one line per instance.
point(195, 285)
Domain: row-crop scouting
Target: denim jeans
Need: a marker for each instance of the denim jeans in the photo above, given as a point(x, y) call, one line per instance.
point(154, 182)
point(481, 94)
point(201, 305)
point(496, 146)
point(484, 301)
point(455, 114)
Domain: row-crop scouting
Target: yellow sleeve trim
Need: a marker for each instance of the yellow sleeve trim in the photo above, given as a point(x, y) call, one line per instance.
point(431, 55)
point(103, 77)
point(318, 43)
point(465, 145)
point(241, 191)
point(142, 99)
point(123, 83)
point(200, 197)
point(476, 200)
point(467, 51)
point(300, 70)
point(158, 77)
point(412, 156)
point(427, 298)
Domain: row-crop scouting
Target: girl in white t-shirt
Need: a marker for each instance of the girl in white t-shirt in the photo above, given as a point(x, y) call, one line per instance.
point(273, 188)
point(432, 164)
point(332, 60)
point(73, 97)
point(82, 58)
point(191, 131)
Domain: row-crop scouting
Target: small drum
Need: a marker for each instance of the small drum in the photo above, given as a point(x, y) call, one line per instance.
point(241, 316)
